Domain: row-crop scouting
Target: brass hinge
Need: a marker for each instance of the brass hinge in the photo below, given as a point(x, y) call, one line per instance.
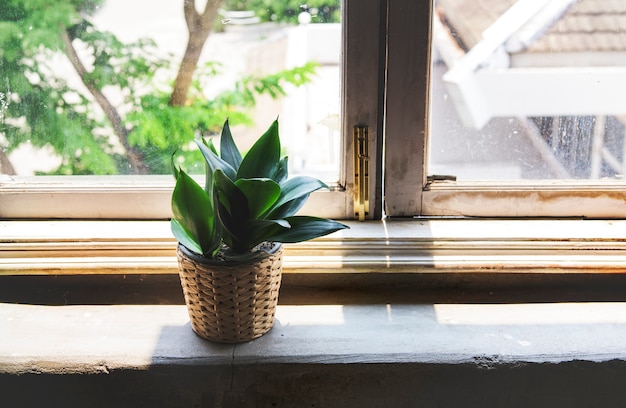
point(361, 172)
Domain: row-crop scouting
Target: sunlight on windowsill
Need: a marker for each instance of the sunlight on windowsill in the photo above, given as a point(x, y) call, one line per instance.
point(531, 314)
point(392, 246)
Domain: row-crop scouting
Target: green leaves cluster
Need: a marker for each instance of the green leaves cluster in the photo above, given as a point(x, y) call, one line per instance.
point(158, 128)
point(246, 200)
point(41, 106)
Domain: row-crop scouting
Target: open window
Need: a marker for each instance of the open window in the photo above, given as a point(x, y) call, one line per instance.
point(506, 108)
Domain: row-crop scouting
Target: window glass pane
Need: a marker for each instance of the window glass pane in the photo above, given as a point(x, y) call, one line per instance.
point(528, 89)
point(102, 86)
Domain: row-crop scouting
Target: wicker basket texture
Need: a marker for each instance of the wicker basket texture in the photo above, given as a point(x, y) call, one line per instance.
point(230, 303)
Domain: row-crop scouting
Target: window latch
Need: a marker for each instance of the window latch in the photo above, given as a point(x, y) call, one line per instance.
point(361, 172)
point(438, 178)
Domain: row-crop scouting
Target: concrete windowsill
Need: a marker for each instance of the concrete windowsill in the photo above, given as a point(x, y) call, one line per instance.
point(88, 339)
point(377, 355)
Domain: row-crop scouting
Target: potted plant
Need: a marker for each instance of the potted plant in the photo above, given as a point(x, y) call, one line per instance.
point(230, 234)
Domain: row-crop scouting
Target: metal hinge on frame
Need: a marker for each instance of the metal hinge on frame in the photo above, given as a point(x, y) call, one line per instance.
point(361, 172)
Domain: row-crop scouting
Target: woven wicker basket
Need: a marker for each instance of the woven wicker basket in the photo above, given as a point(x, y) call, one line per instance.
point(227, 302)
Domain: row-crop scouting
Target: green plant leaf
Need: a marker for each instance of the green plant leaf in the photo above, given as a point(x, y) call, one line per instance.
point(208, 170)
point(232, 210)
point(304, 228)
point(231, 229)
point(297, 187)
point(263, 158)
point(241, 237)
point(261, 194)
point(209, 143)
point(228, 149)
point(175, 171)
point(215, 162)
point(184, 237)
point(233, 199)
point(287, 209)
point(263, 230)
point(282, 172)
point(294, 193)
point(193, 210)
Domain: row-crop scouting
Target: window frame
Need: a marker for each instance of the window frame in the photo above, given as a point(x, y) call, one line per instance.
point(408, 190)
point(148, 197)
point(401, 243)
point(118, 198)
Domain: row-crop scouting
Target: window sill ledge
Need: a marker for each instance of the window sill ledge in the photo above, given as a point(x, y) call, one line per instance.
point(92, 339)
point(504, 351)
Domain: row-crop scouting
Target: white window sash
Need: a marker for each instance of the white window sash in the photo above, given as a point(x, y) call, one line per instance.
point(117, 197)
point(581, 199)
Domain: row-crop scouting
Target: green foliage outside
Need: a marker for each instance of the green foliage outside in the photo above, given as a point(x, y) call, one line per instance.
point(162, 129)
point(322, 11)
point(89, 133)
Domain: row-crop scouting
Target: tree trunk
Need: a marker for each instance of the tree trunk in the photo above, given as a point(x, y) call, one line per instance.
point(199, 26)
point(134, 156)
point(6, 167)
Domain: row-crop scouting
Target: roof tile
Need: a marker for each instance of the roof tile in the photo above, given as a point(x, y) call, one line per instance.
point(587, 26)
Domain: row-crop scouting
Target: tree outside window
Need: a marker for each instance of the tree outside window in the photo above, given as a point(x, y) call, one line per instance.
point(90, 102)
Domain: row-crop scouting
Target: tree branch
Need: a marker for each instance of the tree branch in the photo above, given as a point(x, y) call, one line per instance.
point(135, 157)
point(6, 167)
point(191, 13)
point(199, 27)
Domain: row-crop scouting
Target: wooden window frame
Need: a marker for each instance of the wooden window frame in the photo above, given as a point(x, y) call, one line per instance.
point(414, 238)
point(408, 190)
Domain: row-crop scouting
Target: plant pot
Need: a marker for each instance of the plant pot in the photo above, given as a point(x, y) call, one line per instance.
point(230, 302)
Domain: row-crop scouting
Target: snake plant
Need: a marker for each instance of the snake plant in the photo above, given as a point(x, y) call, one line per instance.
point(246, 200)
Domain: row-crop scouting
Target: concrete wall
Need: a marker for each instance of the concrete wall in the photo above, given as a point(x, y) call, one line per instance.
point(573, 384)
